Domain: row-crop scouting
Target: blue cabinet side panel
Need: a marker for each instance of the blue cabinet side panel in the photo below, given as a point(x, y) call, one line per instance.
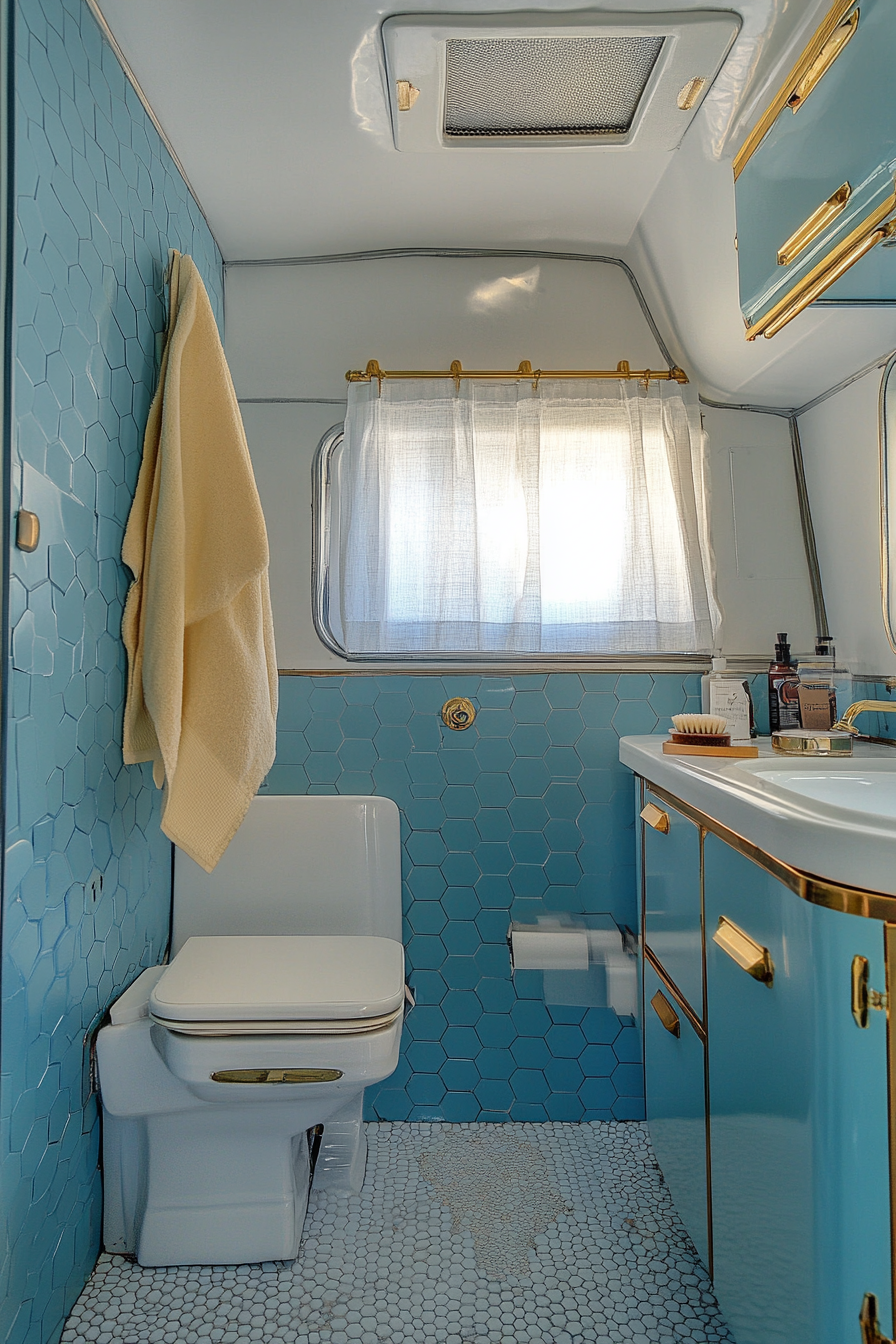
point(99, 202)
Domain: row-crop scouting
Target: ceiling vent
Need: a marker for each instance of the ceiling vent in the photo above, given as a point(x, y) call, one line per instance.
point(524, 81)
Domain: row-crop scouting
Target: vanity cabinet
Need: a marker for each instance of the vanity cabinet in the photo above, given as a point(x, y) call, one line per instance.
point(769, 1110)
point(676, 1104)
point(814, 182)
point(673, 921)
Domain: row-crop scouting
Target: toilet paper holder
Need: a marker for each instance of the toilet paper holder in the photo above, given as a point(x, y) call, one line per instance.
point(554, 944)
point(593, 963)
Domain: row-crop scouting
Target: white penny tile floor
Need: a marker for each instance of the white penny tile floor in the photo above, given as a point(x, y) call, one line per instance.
point(463, 1234)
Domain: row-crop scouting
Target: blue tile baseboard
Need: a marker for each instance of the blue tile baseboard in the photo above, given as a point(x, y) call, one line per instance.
point(525, 814)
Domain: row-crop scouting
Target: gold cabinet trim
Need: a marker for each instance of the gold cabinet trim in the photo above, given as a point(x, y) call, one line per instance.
point(838, 261)
point(749, 955)
point(815, 890)
point(666, 1013)
point(656, 818)
point(796, 75)
point(670, 985)
point(817, 222)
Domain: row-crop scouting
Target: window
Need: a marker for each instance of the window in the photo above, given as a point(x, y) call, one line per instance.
point(502, 520)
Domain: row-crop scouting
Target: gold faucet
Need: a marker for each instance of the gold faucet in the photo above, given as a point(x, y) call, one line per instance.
point(845, 724)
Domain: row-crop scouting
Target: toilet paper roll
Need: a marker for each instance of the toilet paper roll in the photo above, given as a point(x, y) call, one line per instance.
point(604, 943)
point(549, 949)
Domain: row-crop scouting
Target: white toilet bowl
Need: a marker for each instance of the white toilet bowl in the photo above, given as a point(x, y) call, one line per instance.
point(214, 1068)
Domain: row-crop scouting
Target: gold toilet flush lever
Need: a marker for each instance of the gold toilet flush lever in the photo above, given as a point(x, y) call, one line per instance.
point(863, 997)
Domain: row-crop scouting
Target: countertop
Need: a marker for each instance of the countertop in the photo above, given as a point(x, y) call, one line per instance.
point(855, 848)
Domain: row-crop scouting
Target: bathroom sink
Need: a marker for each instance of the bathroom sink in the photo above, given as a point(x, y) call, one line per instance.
point(836, 818)
point(868, 787)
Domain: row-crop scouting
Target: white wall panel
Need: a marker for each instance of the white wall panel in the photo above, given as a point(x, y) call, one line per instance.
point(293, 331)
point(840, 450)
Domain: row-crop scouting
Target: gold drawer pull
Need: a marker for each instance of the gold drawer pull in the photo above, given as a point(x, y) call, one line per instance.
point(823, 61)
point(656, 817)
point(666, 1013)
point(814, 225)
point(751, 956)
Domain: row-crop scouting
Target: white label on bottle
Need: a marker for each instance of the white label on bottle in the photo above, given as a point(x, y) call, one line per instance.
point(728, 699)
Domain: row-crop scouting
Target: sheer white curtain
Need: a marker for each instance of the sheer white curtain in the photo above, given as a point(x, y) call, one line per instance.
point(502, 519)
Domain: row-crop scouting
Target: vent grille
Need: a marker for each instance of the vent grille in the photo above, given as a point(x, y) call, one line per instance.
point(546, 86)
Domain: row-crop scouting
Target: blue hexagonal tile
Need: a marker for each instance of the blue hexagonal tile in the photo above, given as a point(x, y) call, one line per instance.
point(461, 938)
point(493, 823)
point(530, 739)
point(460, 903)
point(462, 1009)
point(460, 1075)
point(461, 973)
point(460, 1042)
point(529, 1085)
point(633, 717)
point(495, 1095)
point(426, 953)
point(566, 1042)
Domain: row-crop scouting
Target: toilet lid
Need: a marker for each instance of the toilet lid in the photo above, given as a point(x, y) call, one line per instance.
point(246, 979)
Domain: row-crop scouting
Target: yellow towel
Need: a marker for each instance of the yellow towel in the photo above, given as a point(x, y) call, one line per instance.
point(202, 672)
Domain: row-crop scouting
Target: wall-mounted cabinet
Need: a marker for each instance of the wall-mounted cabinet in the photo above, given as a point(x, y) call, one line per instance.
point(768, 1106)
point(814, 182)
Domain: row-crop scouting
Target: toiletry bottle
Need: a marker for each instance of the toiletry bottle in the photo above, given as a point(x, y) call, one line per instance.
point(783, 689)
point(728, 695)
point(817, 697)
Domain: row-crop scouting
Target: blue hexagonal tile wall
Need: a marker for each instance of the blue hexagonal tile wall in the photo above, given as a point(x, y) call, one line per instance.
point(526, 812)
point(99, 202)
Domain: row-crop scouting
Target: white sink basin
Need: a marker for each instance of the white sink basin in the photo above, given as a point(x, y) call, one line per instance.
point(831, 818)
point(872, 792)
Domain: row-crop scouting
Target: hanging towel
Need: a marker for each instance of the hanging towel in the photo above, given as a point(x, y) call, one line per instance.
point(202, 672)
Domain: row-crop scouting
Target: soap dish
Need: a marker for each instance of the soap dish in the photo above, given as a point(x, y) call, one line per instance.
point(811, 742)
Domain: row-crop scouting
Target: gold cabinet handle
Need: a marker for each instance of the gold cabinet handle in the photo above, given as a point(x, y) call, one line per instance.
point(870, 1323)
point(666, 1013)
point(863, 997)
point(751, 956)
point(814, 225)
point(656, 817)
point(842, 34)
point(876, 227)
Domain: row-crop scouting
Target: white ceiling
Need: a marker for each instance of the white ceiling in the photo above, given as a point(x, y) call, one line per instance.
point(277, 111)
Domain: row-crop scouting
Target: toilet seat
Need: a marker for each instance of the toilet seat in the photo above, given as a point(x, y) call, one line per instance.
point(298, 985)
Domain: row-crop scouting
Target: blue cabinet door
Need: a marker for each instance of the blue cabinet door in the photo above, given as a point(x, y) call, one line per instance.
point(798, 1115)
point(676, 1105)
point(841, 140)
point(672, 903)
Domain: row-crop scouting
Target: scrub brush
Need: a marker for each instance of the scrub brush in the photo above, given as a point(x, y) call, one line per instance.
point(703, 730)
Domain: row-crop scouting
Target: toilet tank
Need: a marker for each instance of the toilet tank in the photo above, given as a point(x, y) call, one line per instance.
point(327, 864)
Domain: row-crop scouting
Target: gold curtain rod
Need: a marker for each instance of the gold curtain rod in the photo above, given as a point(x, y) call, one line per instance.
point(525, 370)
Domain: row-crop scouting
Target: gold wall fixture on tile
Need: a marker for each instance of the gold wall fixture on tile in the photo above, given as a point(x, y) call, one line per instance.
point(458, 713)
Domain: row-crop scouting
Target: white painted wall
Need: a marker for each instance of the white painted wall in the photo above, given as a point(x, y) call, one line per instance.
point(840, 450)
point(762, 576)
point(293, 331)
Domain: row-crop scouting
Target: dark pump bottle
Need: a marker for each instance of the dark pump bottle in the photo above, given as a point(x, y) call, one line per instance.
point(783, 689)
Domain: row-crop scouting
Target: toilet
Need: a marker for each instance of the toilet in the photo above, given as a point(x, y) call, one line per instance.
point(283, 1000)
